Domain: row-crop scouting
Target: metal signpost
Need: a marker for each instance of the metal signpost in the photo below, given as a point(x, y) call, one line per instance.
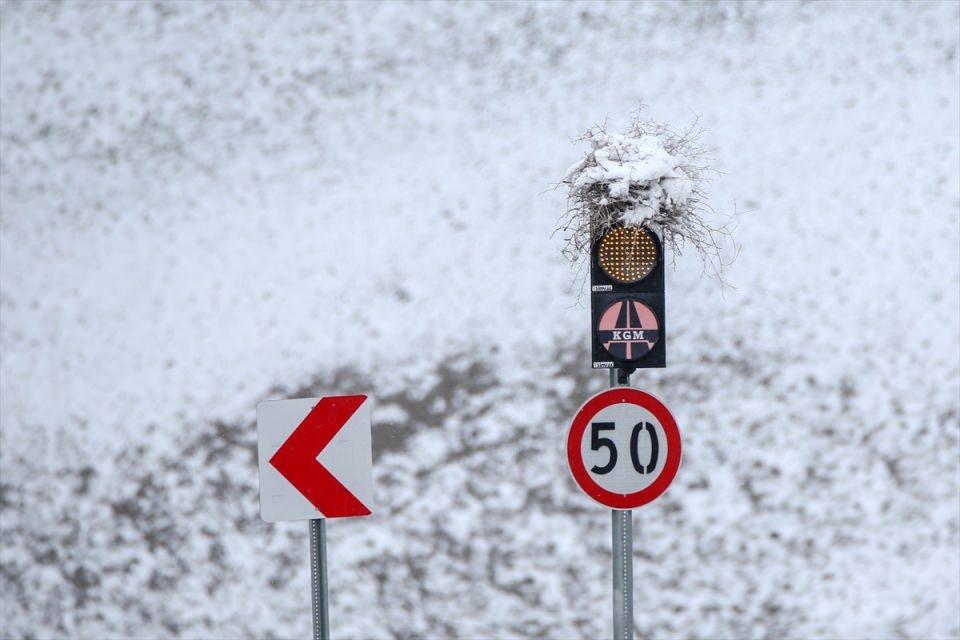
point(318, 579)
point(622, 532)
point(316, 462)
point(624, 450)
point(624, 446)
point(622, 574)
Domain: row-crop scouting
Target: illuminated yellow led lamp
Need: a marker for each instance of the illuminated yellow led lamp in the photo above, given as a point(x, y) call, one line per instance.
point(627, 254)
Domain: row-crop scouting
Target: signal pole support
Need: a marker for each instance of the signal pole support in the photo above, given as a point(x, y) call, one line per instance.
point(622, 521)
point(628, 332)
point(622, 575)
point(318, 579)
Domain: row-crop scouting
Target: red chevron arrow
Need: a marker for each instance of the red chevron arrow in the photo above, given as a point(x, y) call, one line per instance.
point(296, 459)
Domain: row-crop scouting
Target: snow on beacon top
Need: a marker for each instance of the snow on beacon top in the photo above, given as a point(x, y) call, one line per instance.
point(650, 176)
point(623, 162)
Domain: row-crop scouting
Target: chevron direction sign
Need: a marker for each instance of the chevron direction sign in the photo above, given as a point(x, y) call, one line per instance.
point(315, 458)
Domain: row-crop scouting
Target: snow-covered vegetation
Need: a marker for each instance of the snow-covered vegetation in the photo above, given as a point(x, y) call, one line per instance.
point(652, 175)
point(206, 205)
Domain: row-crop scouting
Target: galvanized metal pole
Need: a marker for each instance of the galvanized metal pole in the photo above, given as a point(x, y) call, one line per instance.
point(622, 528)
point(622, 575)
point(318, 579)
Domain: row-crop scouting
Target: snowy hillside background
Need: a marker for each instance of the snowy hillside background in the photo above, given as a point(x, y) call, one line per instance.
point(208, 205)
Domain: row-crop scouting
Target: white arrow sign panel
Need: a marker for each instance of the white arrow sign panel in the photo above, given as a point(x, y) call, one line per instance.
point(315, 458)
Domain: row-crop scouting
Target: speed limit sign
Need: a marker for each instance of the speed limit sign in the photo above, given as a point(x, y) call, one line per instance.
point(623, 448)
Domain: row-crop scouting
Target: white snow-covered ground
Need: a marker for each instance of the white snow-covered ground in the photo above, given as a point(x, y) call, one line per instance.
point(206, 205)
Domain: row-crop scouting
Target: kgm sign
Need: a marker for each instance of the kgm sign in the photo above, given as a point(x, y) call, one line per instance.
point(628, 329)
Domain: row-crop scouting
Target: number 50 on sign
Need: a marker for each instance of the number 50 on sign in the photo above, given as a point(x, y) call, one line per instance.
point(623, 448)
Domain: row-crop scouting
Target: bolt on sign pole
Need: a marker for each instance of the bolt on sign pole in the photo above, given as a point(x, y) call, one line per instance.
point(622, 529)
point(318, 579)
point(316, 462)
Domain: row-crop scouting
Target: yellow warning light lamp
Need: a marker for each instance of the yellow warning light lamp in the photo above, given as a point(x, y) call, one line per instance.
point(628, 254)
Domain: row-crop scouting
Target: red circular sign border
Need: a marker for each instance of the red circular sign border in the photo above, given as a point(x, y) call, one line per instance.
point(579, 472)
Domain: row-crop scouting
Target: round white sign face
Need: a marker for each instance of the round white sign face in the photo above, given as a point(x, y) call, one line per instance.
point(623, 448)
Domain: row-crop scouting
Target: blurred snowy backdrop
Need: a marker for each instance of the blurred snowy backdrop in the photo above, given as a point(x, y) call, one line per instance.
point(207, 205)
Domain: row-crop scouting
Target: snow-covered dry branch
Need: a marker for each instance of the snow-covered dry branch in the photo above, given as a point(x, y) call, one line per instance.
point(651, 175)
